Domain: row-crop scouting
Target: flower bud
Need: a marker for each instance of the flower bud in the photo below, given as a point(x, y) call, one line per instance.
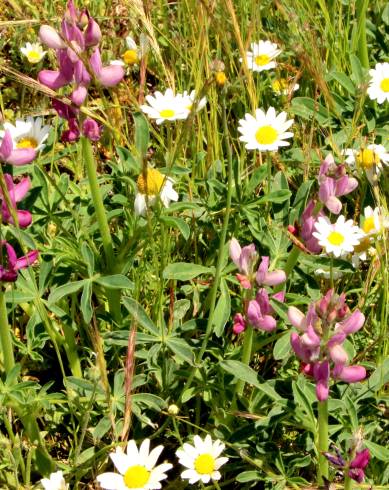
point(91, 129)
point(50, 37)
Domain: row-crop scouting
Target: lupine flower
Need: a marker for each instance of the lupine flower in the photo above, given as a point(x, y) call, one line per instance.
point(14, 156)
point(333, 183)
point(308, 220)
point(260, 312)
point(166, 107)
point(239, 325)
point(339, 238)
point(33, 52)
point(358, 464)
point(330, 319)
point(56, 481)
point(356, 468)
point(266, 278)
point(245, 260)
point(16, 193)
point(379, 83)
point(28, 134)
point(266, 131)
point(202, 460)
point(91, 129)
point(155, 185)
point(262, 56)
point(137, 468)
point(79, 62)
point(11, 263)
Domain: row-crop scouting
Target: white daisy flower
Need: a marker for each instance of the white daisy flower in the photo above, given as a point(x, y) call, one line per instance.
point(265, 132)
point(55, 482)
point(189, 99)
point(370, 159)
point(202, 459)
point(262, 55)
point(33, 52)
point(338, 238)
point(155, 185)
point(131, 56)
point(165, 107)
point(28, 134)
point(374, 221)
point(137, 468)
point(379, 84)
point(282, 86)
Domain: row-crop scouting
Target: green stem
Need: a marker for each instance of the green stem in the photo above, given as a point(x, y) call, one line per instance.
point(360, 9)
point(348, 483)
point(322, 441)
point(113, 296)
point(220, 260)
point(5, 336)
point(246, 357)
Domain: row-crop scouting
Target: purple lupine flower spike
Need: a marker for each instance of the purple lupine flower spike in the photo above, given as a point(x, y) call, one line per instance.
point(16, 193)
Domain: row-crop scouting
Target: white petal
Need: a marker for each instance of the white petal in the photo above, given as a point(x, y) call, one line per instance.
point(111, 481)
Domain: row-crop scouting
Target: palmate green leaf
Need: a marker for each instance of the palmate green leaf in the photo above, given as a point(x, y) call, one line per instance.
point(178, 223)
point(248, 375)
point(307, 108)
point(150, 400)
point(66, 289)
point(180, 348)
point(140, 316)
point(276, 197)
point(181, 271)
point(115, 281)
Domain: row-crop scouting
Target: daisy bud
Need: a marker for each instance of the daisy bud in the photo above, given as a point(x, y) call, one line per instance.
point(50, 37)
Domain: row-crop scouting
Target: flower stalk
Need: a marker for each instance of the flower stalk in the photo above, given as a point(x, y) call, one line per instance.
point(322, 441)
point(90, 166)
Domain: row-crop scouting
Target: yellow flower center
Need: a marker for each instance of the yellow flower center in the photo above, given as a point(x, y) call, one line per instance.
point(130, 57)
point(262, 59)
point(367, 158)
point(28, 142)
point(280, 85)
point(204, 464)
point(221, 78)
point(368, 224)
point(153, 183)
point(136, 476)
point(266, 135)
point(385, 85)
point(166, 113)
point(335, 238)
point(33, 56)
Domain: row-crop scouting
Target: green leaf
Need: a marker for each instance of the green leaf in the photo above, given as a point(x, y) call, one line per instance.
point(302, 402)
point(222, 311)
point(182, 271)
point(258, 176)
point(142, 134)
point(248, 375)
point(307, 108)
point(247, 476)
point(357, 70)
point(86, 302)
point(178, 223)
point(344, 81)
point(379, 452)
point(89, 258)
point(180, 348)
point(151, 401)
point(279, 196)
point(139, 315)
point(66, 289)
point(116, 281)
point(282, 347)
